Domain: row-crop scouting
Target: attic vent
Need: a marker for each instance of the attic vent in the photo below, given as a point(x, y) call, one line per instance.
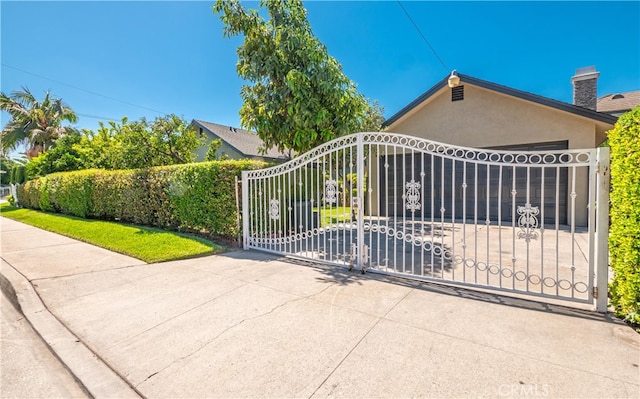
point(457, 93)
point(617, 96)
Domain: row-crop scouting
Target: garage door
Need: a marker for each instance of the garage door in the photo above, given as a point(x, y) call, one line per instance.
point(482, 192)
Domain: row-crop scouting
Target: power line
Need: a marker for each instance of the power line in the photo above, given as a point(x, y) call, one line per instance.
point(85, 90)
point(423, 36)
point(104, 118)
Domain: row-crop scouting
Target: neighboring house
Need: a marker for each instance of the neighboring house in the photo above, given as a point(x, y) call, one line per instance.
point(236, 143)
point(482, 114)
point(619, 103)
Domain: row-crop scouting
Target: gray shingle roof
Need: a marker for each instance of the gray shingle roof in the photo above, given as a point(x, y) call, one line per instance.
point(619, 101)
point(246, 142)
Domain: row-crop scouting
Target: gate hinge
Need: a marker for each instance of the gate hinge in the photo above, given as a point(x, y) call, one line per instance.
point(598, 167)
point(594, 292)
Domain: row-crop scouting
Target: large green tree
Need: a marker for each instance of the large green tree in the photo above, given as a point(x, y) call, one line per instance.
point(298, 96)
point(166, 140)
point(36, 124)
point(126, 144)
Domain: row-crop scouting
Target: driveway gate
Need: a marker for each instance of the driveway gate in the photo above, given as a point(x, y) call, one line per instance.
point(534, 223)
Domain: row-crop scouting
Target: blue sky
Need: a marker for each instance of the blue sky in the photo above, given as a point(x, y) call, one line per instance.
point(113, 59)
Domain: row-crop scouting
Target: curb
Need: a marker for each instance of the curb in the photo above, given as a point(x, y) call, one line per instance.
point(94, 376)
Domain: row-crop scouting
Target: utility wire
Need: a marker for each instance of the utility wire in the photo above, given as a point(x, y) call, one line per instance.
point(103, 118)
point(85, 90)
point(423, 36)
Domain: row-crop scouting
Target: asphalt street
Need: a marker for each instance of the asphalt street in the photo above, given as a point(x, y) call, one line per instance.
point(28, 369)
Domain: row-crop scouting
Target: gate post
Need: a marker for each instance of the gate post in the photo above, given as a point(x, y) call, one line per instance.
point(360, 183)
point(602, 229)
point(245, 209)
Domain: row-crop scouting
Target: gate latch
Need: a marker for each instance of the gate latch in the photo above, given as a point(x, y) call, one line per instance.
point(354, 255)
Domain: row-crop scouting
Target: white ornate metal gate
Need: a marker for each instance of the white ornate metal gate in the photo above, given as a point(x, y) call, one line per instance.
point(534, 223)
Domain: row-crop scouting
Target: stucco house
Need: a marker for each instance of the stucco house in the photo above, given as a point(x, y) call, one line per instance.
point(236, 143)
point(482, 114)
point(478, 113)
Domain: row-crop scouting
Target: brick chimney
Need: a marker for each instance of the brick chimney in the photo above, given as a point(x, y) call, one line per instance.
point(585, 87)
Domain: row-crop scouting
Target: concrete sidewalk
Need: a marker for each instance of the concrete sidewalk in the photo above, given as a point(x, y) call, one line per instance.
point(247, 324)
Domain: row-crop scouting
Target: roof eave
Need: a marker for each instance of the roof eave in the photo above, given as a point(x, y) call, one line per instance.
point(573, 109)
point(413, 104)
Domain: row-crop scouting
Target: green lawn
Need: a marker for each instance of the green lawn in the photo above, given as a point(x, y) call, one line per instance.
point(145, 243)
point(339, 214)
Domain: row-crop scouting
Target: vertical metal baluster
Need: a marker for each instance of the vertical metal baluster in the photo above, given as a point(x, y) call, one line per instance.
point(359, 167)
point(527, 240)
point(266, 185)
point(342, 229)
point(330, 226)
point(276, 224)
point(500, 222)
point(344, 209)
point(386, 205)
point(557, 229)
point(433, 220)
point(257, 209)
point(261, 210)
point(424, 205)
point(317, 214)
point(308, 193)
point(272, 225)
point(322, 235)
point(248, 232)
point(442, 211)
point(413, 217)
point(291, 209)
point(573, 229)
point(542, 183)
point(395, 206)
point(453, 218)
point(403, 224)
point(321, 184)
point(280, 219)
point(369, 188)
point(306, 203)
point(297, 208)
point(376, 184)
point(488, 216)
point(248, 228)
point(475, 221)
point(351, 209)
point(464, 221)
point(513, 224)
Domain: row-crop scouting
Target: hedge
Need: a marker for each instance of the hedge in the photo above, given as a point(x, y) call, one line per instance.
point(624, 237)
point(198, 197)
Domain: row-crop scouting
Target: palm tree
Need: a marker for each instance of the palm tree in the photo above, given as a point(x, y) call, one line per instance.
point(33, 123)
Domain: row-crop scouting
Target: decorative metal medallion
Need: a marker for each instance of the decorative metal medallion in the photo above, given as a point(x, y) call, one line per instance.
point(528, 222)
point(330, 192)
point(274, 209)
point(413, 195)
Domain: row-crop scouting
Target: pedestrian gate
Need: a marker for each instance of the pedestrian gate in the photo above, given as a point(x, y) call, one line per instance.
point(534, 223)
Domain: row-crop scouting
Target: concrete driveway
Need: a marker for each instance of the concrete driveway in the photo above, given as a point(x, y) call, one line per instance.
point(248, 324)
